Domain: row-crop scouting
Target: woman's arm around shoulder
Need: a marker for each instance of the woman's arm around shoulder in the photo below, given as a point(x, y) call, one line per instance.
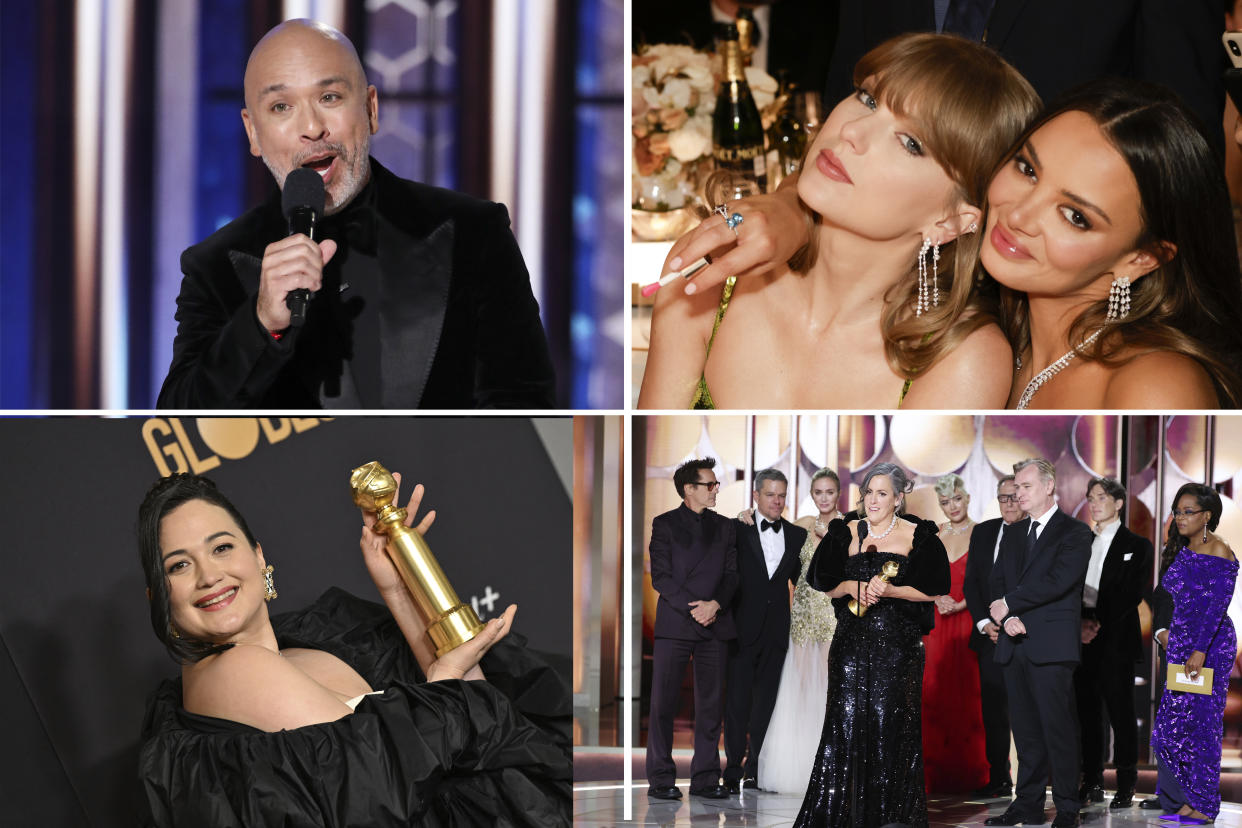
point(1160, 380)
point(977, 373)
point(680, 329)
point(257, 687)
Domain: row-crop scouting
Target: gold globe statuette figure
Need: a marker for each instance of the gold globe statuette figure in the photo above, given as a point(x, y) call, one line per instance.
point(450, 623)
point(887, 573)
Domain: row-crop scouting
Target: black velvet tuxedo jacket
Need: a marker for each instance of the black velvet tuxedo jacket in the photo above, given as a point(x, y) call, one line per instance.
point(975, 584)
point(1058, 44)
point(458, 324)
point(1127, 569)
point(1043, 588)
point(693, 558)
point(761, 609)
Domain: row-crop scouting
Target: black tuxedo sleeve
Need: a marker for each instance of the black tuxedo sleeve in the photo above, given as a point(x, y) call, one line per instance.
point(1124, 596)
point(1161, 608)
point(222, 356)
point(662, 579)
point(1056, 572)
point(512, 368)
point(973, 585)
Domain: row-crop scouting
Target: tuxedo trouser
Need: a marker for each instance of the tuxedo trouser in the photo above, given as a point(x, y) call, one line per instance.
point(1105, 678)
point(1044, 718)
point(668, 668)
point(994, 701)
point(754, 678)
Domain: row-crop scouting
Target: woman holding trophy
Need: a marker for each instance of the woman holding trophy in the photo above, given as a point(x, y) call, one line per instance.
point(882, 572)
point(342, 712)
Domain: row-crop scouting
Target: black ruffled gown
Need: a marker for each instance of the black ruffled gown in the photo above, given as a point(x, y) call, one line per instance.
point(872, 736)
point(451, 753)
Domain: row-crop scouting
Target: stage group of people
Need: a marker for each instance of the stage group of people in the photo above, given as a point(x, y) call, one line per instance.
point(899, 623)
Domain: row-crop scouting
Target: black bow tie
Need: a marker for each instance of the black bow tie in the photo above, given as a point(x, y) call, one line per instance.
point(767, 524)
point(354, 225)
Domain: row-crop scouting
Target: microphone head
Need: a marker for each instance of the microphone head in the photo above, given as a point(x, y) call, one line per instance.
point(871, 548)
point(303, 189)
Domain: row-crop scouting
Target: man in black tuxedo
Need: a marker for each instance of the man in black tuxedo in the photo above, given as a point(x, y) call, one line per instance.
point(423, 300)
point(694, 570)
point(1036, 588)
point(981, 554)
point(1119, 571)
point(767, 563)
point(1057, 44)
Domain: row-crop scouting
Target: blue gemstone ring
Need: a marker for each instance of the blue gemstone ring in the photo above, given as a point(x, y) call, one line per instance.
point(733, 221)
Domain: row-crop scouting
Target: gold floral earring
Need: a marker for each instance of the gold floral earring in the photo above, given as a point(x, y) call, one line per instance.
point(173, 631)
point(269, 584)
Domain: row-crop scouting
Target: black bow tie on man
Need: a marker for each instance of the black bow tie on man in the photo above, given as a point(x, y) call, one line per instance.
point(767, 524)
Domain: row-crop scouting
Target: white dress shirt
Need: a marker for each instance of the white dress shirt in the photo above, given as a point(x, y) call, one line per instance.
point(773, 543)
point(1099, 549)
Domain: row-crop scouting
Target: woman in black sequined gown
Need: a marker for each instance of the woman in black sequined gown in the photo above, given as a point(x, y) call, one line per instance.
point(869, 768)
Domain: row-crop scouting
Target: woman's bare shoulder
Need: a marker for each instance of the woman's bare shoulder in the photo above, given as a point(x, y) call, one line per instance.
point(1160, 379)
point(256, 686)
point(1219, 549)
point(975, 373)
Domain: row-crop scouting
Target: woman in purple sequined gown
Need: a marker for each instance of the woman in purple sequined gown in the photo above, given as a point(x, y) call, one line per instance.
point(1200, 571)
point(868, 770)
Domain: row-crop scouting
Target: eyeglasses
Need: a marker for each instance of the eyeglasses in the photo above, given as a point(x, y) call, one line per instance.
point(712, 486)
point(1007, 498)
point(1188, 512)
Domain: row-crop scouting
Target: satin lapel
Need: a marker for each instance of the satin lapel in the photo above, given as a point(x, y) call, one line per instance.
point(1114, 558)
point(751, 535)
point(1004, 15)
point(793, 550)
point(1051, 531)
point(709, 534)
point(415, 277)
point(248, 268)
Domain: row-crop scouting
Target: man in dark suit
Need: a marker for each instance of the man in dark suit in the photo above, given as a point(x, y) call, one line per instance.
point(767, 563)
point(980, 556)
point(1117, 574)
point(1036, 588)
point(423, 300)
point(1058, 44)
point(694, 570)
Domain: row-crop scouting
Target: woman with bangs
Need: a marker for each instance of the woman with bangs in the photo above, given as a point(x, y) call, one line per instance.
point(891, 190)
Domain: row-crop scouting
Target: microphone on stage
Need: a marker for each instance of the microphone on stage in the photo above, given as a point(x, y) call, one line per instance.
point(302, 203)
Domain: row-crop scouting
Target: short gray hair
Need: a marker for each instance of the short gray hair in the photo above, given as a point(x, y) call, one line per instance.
point(1009, 478)
point(769, 474)
point(947, 485)
point(902, 484)
point(1047, 471)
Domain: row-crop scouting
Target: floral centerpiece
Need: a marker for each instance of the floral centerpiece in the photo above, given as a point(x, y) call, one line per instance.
point(674, 96)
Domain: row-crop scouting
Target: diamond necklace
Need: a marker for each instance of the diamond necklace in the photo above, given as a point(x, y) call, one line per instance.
point(887, 531)
point(950, 530)
point(1051, 371)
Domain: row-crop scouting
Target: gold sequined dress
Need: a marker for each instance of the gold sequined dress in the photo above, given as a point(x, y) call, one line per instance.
point(798, 715)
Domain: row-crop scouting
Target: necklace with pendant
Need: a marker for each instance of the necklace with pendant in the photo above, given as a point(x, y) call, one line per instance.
point(886, 532)
point(1051, 371)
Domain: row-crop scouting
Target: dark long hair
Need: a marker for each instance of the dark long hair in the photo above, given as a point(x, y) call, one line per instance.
point(166, 495)
point(1191, 304)
point(1207, 499)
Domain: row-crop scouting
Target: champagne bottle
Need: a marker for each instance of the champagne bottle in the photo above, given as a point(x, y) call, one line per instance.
point(746, 28)
point(737, 131)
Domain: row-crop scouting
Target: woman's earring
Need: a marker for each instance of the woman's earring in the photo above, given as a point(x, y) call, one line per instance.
point(269, 584)
point(928, 298)
point(1118, 299)
point(1205, 533)
point(173, 631)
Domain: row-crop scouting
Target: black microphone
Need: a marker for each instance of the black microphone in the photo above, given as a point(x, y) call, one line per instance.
point(302, 203)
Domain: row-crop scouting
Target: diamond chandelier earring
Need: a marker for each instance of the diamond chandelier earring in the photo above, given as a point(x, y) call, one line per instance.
point(269, 584)
point(1118, 299)
point(928, 298)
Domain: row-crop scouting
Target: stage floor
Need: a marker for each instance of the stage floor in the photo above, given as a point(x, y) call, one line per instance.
point(600, 805)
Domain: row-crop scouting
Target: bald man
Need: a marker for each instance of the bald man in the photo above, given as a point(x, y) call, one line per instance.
point(420, 295)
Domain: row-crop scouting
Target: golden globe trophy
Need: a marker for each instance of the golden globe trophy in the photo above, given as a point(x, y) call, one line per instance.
point(887, 573)
point(450, 623)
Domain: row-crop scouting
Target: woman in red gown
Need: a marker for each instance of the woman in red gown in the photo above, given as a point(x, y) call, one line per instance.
point(953, 746)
